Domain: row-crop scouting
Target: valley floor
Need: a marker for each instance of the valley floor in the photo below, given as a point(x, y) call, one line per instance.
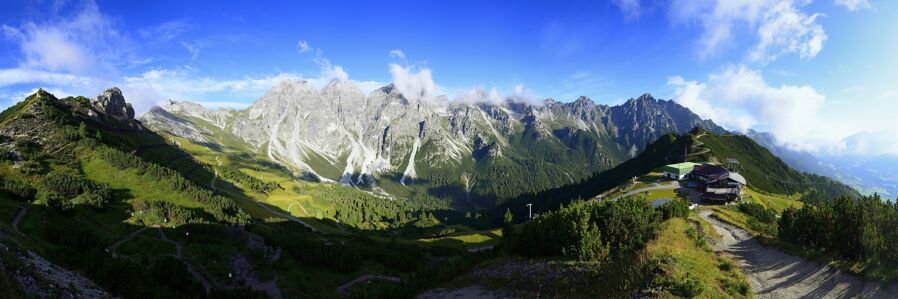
point(775, 274)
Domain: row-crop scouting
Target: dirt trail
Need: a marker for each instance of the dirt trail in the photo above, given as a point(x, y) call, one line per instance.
point(197, 273)
point(775, 274)
point(118, 243)
point(654, 186)
point(344, 289)
point(15, 221)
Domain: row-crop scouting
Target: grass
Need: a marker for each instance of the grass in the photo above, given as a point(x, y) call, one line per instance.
point(469, 239)
point(141, 245)
point(777, 202)
point(682, 259)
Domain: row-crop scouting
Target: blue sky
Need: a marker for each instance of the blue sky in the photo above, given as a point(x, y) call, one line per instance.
point(811, 72)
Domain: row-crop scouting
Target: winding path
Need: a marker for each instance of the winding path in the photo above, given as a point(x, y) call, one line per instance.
point(207, 284)
point(655, 186)
point(775, 274)
point(344, 288)
point(15, 221)
point(118, 243)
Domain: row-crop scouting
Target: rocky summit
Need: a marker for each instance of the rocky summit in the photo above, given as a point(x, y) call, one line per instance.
point(112, 104)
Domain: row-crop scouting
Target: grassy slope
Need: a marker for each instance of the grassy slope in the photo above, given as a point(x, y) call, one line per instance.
point(719, 275)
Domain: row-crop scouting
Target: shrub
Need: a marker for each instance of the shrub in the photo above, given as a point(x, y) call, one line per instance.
point(587, 231)
point(758, 212)
point(689, 287)
point(58, 201)
point(697, 238)
point(18, 189)
point(674, 208)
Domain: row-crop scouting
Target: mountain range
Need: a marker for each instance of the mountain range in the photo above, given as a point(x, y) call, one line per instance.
point(867, 173)
point(476, 153)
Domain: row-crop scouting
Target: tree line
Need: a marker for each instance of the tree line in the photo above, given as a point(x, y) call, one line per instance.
point(363, 210)
point(222, 209)
point(64, 191)
point(234, 173)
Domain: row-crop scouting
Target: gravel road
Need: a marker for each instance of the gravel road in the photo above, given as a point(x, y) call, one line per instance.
point(775, 274)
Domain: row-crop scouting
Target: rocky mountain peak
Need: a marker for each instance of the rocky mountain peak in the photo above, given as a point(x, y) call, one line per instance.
point(112, 104)
point(583, 101)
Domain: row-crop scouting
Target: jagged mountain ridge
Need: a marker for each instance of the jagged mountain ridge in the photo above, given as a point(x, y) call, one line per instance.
point(338, 133)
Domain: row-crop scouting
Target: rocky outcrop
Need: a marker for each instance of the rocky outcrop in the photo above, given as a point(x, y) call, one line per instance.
point(341, 134)
point(112, 104)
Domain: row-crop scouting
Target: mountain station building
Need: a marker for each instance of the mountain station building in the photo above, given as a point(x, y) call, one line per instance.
point(720, 184)
point(678, 171)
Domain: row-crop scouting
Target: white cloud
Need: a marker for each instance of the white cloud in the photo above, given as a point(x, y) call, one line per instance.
point(479, 95)
point(780, 27)
point(17, 76)
point(327, 70)
point(853, 5)
point(739, 99)
point(868, 144)
point(396, 53)
point(630, 8)
point(303, 46)
point(415, 85)
point(185, 83)
point(786, 30)
point(84, 43)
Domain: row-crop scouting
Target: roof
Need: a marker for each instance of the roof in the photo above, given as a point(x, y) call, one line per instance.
point(738, 178)
point(713, 172)
point(679, 168)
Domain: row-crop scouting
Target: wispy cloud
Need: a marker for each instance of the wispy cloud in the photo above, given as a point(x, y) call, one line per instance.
point(303, 46)
point(853, 5)
point(193, 48)
point(167, 30)
point(780, 27)
point(396, 53)
point(630, 8)
point(887, 94)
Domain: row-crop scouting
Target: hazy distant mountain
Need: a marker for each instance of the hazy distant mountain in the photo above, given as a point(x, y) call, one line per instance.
point(868, 174)
point(387, 142)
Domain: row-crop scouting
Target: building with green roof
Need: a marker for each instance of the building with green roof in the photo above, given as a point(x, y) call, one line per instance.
point(678, 171)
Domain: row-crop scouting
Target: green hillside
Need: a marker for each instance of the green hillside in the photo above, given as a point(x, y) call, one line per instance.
point(143, 218)
point(763, 171)
point(766, 172)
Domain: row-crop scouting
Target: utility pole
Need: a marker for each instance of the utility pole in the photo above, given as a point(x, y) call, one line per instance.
point(530, 209)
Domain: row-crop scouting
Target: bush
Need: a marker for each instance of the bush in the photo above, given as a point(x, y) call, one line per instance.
point(587, 231)
point(758, 212)
point(18, 189)
point(697, 238)
point(58, 201)
point(97, 199)
point(674, 208)
point(689, 287)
